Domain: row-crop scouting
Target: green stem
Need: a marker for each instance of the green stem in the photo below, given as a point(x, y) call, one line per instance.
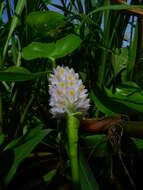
point(72, 131)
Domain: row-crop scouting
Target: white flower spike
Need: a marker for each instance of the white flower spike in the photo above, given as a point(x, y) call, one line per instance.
point(67, 93)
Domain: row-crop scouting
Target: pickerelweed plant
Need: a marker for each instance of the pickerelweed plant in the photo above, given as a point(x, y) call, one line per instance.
point(69, 98)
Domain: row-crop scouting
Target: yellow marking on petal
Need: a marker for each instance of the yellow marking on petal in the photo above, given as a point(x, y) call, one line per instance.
point(71, 83)
point(61, 104)
point(57, 76)
point(59, 92)
point(62, 84)
point(62, 71)
point(80, 89)
point(71, 92)
point(70, 77)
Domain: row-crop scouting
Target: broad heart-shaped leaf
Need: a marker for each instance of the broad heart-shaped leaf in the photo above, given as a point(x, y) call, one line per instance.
point(87, 179)
point(52, 51)
point(46, 23)
point(22, 147)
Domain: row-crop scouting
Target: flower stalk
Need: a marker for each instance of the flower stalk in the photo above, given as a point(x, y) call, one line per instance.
point(73, 123)
point(69, 99)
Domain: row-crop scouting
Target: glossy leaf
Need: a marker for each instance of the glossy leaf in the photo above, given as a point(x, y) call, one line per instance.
point(52, 51)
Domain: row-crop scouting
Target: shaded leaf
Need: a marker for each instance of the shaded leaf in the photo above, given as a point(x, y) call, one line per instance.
point(22, 150)
point(16, 74)
point(101, 102)
point(138, 143)
point(45, 20)
point(49, 176)
point(97, 144)
point(87, 179)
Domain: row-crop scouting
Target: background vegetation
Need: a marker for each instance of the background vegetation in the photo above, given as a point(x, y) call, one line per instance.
point(102, 41)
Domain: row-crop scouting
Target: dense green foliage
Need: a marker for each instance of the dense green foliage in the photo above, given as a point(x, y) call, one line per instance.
point(88, 36)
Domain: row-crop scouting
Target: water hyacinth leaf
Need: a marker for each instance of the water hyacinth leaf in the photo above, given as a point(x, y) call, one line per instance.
point(14, 73)
point(22, 150)
point(97, 145)
point(46, 23)
point(52, 51)
point(87, 179)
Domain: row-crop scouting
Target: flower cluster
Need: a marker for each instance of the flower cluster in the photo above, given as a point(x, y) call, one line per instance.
point(67, 93)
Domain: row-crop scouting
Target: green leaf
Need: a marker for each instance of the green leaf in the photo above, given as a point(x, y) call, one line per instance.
point(22, 149)
point(115, 7)
point(52, 51)
point(138, 143)
point(129, 95)
point(49, 176)
point(129, 100)
point(46, 23)
point(87, 179)
point(16, 74)
point(97, 144)
point(101, 102)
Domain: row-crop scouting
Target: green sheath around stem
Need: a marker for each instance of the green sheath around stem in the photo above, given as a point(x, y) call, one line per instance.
point(72, 131)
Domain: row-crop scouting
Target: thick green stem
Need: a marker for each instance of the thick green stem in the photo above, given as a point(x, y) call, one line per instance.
point(72, 131)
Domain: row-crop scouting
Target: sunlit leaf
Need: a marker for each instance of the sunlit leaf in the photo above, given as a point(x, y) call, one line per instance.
point(52, 51)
